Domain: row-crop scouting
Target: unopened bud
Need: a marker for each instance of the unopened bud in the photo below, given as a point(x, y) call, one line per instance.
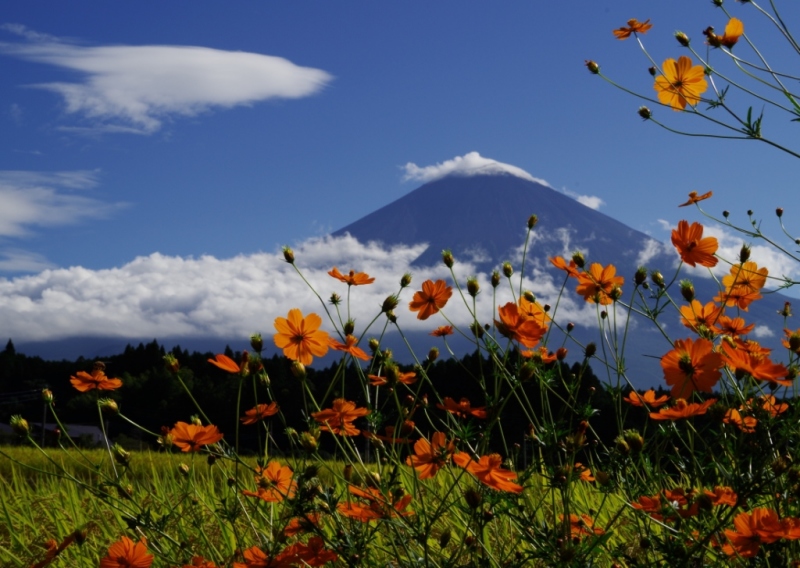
point(257, 342)
point(391, 316)
point(532, 220)
point(183, 469)
point(390, 303)
point(645, 112)
point(288, 255)
point(405, 280)
point(592, 66)
point(495, 279)
point(447, 258)
point(528, 295)
point(682, 38)
point(473, 498)
point(433, 354)
point(476, 329)
point(787, 310)
point(373, 344)
point(121, 455)
point(616, 293)
point(349, 327)
point(657, 278)
point(561, 353)
point(298, 370)
point(570, 327)
point(578, 259)
point(687, 290)
point(195, 419)
point(47, 396)
point(640, 277)
point(508, 269)
point(445, 537)
point(108, 406)
point(744, 253)
point(20, 425)
point(335, 299)
point(347, 472)
point(308, 441)
point(634, 439)
point(652, 71)
point(726, 213)
point(590, 350)
point(171, 363)
point(779, 212)
point(472, 286)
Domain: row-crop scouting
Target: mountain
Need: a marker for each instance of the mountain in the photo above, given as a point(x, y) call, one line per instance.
point(482, 218)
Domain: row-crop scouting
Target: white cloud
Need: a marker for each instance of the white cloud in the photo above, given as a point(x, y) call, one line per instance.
point(163, 296)
point(470, 164)
point(652, 248)
point(47, 199)
point(761, 332)
point(16, 260)
point(590, 201)
point(133, 88)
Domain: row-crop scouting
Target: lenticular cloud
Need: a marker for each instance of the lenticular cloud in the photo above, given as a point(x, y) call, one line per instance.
point(165, 296)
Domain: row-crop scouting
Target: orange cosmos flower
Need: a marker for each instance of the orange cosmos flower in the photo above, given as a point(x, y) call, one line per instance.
point(431, 299)
point(792, 341)
point(693, 248)
point(771, 406)
point(462, 409)
point(225, 363)
point(646, 399)
point(84, 381)
point(541, 355)
point(519, 327)
point(300, 525)
point(733, 31)
point(312, 553)
point(339, 418)
point(681, 409)
point(126, 554)
point(756, 364)
point(691, 366)
point(747, 275)
point(571, 269)
point(735, 327)
point(746, 424)
point(739, 296)
point(488, 470)
point(722, 495)
point(634, 27)
point(597, 283)
point(200, 562)
point(190, 437)
point(274, 483)
point(352, 279)
point(254, 557)
point(580, 526)
point(259, 412)
point(378, 506)
point(681, 83)
point(349, 346)
point(390, 434)
point(694, 198)
point(534, 311)
point(650, 505)
point(393, 377)
point(300, 338)
point(430, 457)
point(442, 331)
point(696, 314)
point(751, 530)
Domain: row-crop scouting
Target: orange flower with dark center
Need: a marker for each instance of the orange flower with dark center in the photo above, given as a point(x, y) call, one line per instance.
point(682, 409)
point(739, 296)
point(792, 341)
point(349, 346)
point(747, 275)
point(392, 378)
point(127, 554)
point(534, 311)
point(274, 483)
point(693, 248)
point(300, 525)
point(225, 363)
point(84, 381)
point(462, 409)
point(770, 405)
point(646, 399)
point(571, 269)
point(518, 327)
point(694, 198)
point(597, 283)
point(696, 315)
point(681, 83)
point(431, 299)
point(691, 366)
point(650, 505)
point(254, 557)
point(378, 505)
point(722, 495)
point(735, 327)
point(259, 412)
point(746, 424)
point(339, 418)
point(430, 457)
point(634, 27)
point(583, 525)
point(540, 355)
point(312, 553)
point(733, 31)
point(300, 338)
point(352, 279)
point(488, 471)
point(750, 531)
point(442, 331)
point(190, 437)
point(759, 366)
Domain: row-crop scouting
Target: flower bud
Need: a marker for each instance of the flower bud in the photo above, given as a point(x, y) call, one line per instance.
point(288, 255)
point(476, 329)
point(108, 406)
point(726, 213)
point(308, 441)
point(121, 455)
point(183, 469)
point(634, 440)
point(532, 220)
point(590, 350)
point(373, 344)
point(749, 212)
point(744, 253)
point(640, 277)
point(349, 327)
point(652, 71)
point(657, 278)
point(390, 303)
point(335, 299)
point(645, 112)
point(405, 280)
point(687, 290)
point(603, 314)
point(473, 498)
point(622, 446)
point(495, 279)
point(298, 370)
point(445, 537)
point(211, 459)
point(257, 342)
point(447, 258)
point(528, 295)
point(472, 286)
point(508, 269)
point(47, 396)
point(561, 353)
point(433, 354)
point(391, 316)
point(195, 419)
point(570, 327)
point(616, 293)
point(779, 212)
point(787, 310)
point(579, 259)
point(602, 477)
point(20, 425)
point(682, 38)
point(347, 472)
point(592, 66)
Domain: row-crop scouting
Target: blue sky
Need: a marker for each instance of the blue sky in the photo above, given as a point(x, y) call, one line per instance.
point(152, 150)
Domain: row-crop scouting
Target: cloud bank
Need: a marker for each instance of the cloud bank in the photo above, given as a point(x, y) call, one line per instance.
point(134, 88)
point(470, 164)
point(164, 296)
